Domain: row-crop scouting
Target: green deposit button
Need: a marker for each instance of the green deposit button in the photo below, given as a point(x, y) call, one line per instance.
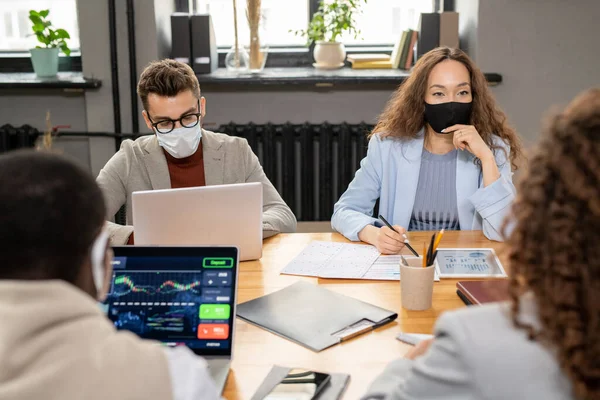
point(217, 262)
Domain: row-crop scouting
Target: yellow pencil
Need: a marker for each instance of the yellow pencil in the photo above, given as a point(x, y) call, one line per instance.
point(437, 241)
point(424, 255)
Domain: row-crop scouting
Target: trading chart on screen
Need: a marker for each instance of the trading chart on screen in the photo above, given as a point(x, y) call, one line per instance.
point(174, 306)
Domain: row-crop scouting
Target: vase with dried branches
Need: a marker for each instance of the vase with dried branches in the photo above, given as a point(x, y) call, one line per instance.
point(236, 60)
point(258, 51)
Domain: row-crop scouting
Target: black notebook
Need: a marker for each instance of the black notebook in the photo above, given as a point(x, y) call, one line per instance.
point(312, 316)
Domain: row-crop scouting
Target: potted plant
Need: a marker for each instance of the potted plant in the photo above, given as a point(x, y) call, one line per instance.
point(45, 59)
point(330, 21)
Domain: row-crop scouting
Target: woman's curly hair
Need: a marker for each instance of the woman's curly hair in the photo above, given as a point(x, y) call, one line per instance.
point(554, 250)
point(404, 114)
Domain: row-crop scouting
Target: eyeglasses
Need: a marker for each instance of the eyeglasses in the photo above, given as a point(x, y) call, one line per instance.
point(186, 121)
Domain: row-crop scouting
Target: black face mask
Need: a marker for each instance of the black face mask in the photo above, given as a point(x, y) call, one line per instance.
point(441, 116)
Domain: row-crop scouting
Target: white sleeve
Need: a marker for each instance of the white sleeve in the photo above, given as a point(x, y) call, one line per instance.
point(190, 379)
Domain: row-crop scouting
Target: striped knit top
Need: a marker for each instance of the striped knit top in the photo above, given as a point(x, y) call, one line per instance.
point(435, 201)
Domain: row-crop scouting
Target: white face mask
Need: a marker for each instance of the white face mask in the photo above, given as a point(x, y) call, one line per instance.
point(98, 258)
point(181, 142)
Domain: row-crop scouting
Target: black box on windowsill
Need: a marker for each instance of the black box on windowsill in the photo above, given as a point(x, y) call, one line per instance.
point(204, 45)
point(181, 47)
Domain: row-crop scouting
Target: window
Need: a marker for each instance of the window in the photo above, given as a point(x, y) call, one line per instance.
point(279, 17)
point(381, 22)
point(15, 27)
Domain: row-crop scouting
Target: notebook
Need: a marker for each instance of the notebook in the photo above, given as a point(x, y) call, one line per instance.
point(481, 292)
point(312, 316)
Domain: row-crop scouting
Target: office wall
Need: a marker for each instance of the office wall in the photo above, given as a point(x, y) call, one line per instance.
point(296, 107)
point(546, 51)
point(19, 107)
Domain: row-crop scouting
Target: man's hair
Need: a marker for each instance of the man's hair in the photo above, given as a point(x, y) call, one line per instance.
point(52, 211)
point(167, 78)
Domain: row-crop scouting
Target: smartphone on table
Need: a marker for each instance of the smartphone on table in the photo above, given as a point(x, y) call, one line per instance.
point(299, 384)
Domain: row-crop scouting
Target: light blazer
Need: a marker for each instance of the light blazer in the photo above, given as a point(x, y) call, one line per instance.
point(142, 165)
point(477, 353)
point(390, 173)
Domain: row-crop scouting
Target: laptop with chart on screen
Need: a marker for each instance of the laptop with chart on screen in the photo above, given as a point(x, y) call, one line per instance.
point(180, 296)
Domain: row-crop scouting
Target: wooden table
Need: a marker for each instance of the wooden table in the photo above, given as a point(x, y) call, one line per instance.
point(364, 357)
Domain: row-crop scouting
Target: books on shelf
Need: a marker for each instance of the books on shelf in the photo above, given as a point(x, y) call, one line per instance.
point(410, 60)
point(404, 50)
point(381, 64)
point(402, 55)
point(397, 52)
point(367, 57)
point(370, 61)
point(435, 29)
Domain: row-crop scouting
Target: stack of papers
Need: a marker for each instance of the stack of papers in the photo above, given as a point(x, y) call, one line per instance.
point(345, 261)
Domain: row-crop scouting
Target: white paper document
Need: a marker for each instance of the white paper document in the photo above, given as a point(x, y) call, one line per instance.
point(387, 268)
point(333, 260)
point(345, 261)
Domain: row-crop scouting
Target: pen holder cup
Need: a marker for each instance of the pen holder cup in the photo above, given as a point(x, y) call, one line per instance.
point(416, 285)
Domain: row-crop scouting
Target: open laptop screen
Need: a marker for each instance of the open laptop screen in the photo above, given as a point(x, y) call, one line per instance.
point(176, 295)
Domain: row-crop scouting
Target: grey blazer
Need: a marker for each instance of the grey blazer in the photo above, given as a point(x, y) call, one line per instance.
point(477, 353)
point(142, 165)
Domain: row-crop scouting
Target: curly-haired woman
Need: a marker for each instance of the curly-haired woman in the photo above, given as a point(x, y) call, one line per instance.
point(439, 157)
point(544, 343)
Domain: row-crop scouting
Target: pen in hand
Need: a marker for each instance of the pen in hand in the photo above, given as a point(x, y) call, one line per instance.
point(406, 241)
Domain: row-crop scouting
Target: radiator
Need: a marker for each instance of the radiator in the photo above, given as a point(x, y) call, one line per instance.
point(13, 138)
point(311, 165)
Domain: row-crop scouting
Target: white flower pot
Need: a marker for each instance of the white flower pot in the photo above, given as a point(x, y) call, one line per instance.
point(329, 54)
point(45, 61)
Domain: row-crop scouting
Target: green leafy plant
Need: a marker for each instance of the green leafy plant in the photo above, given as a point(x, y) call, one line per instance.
point(45, 32)
point(331, 20)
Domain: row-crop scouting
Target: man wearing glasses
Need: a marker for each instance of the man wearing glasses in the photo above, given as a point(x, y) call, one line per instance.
point(180, 153)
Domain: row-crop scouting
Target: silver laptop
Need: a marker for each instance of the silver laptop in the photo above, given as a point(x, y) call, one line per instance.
point(210, 215)
point(180, 296)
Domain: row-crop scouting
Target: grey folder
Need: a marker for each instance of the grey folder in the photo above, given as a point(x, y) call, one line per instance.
point(311, 315)
point(332, 391)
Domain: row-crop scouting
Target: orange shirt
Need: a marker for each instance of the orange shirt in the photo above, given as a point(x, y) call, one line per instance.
point(186, 172)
